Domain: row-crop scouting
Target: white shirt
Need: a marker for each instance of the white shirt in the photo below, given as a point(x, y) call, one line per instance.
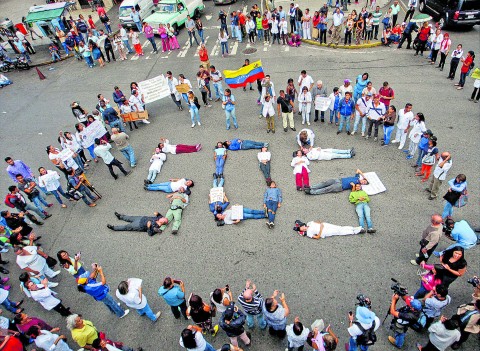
point(375, 112)
point(20, 35)
point(264, 156)
point(343, 89)
point(169, 148)
point(412, 3)
point(416, 132)
point(313, 229)
point(404, 119)
point(306, 82)
point(362, 105)
point(45, 298)
point(3, 295)
point(442, 338)
point(132, 297)
point(199, 340)
point(457, 53)
point(298, 168)
point(46, 341)
point(438, 41)
point(49, 181)
point(274, 29)
point(272, 88)
point(136, 100)
point(186, 81)
point(33, 261)
point(178, 184)
point(441, 172)
point(355, 331)
point(123, 34)
point(310, 136)
point(157, 162)
point(102, 151)
point(337, 19)
point(228, 217)
point(267, 108)
point(283, 27)
point(296, 340)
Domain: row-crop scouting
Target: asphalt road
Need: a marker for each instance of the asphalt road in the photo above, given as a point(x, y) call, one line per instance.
point(320, 278)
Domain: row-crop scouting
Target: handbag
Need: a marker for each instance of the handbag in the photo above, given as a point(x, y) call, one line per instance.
point(429, 159)
point(462, 200)
point(452, 197)
point(424, 242)
point(386, 21)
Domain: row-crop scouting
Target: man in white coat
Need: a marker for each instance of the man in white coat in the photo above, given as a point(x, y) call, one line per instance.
point(405, 117)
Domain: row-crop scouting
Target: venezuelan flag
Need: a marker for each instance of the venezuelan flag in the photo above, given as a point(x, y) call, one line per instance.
point(241, 77)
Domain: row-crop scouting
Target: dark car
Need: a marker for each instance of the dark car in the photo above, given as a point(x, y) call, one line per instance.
point(453, 13)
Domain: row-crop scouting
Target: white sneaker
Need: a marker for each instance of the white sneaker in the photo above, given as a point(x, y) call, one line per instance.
point(353, 133)
point(145, 121)
point(199, 123)
point(55, 274)
point(308, 123)
point(395, 141)
point(193, 125)
point(303, 123)
point(157, 315)
point(400, 148)
point(417, 255)
point(363, 134)
point(52, 284)
point(126, 312)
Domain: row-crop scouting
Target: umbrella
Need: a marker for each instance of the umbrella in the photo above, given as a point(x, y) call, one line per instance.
point(421, 17)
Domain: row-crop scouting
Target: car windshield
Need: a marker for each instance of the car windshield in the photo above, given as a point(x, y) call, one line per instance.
point(125, 11)
point(165, 8)
point(470, 5)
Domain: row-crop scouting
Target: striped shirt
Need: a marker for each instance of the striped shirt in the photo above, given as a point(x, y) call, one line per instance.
point(253, 307)
point(376, 18)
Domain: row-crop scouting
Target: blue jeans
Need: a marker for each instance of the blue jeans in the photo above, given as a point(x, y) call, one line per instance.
point(272, 209)
point(127, 45)
point(38, 201)
point(465, 246)
point(224, 47)
point(298, 24)
point(387, 134)
point(219, 163)
point(357, 122)
point(108, 28)
point(332, 114)
point(260, 34)
point(165, 187)
point(238, 33)
point(421, 292)
point(148, 312)
point(209, 347)
point(234, 32)
point(249, 144)
point(129, 155)
point(117, 124)
point(91, 149)
point(363, 210)
point(192, 35)
point(218, 89)
point(152, 41)
point(421, 153)
point(200, 34)
point(113, 306)
point(231, 114)
point(260, 320)
point(354, 347)
point(86, 192)
point(194, 114)
point(399, 339)
point(139, 26)
point(57, 195)
point(55, 56)
point(88, 60)
point(65, 47)
point(253, 214)
point(447, 210)
point(218, 183)
point(10, 305)
point(344, 119)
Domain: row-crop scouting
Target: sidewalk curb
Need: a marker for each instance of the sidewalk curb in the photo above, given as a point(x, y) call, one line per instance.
point(45, 63)
point(345, 47)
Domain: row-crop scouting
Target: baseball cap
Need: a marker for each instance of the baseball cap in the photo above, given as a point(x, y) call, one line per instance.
point(429, 132)
point(228, 314)
point(347, 81)
point(415, 304)
point(364, 315)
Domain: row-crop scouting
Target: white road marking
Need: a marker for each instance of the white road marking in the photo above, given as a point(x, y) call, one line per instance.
point(234, 49)
point(134, 58)
point(208, 17)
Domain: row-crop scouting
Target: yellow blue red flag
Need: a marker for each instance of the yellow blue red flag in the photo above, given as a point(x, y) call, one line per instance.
point(241, 77)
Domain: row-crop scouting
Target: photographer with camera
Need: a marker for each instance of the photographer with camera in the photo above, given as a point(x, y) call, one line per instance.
point(430, 238)
point(460, 232)
point(363, 325)
point(404, 317)
point(78, 183)
point(220, 299)
point(173, 292)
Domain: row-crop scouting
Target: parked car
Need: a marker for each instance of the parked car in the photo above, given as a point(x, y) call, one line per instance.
point(174, 12)
point(143, 7)
point(451, 13)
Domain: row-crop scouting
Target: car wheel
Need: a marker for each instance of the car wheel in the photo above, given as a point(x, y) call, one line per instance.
point(422, 7)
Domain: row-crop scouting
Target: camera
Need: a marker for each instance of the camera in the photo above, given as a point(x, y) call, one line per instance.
point(475, 281)
point(364, 301)
point(398, 289)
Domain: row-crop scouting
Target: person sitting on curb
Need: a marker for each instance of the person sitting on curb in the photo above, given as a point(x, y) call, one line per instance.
point(139, 223)
point(337, 185)
point(322, 230)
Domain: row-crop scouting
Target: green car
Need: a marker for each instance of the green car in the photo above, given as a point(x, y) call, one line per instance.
point(174, 12)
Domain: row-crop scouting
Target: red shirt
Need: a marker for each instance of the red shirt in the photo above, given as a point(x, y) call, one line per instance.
point(316, 20)
point(424, 33)
point(466, 64)
point(388, 92)
point(265, 23)
point(91, 23)
point(242, 19)
point(203, 55)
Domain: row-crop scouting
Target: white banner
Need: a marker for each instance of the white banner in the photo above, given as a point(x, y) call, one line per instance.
point(90, 133)
point(216, 194)
point(322, 103)
point(237, 212)
point(154, 89)
point(375, 185)
point(65, 154)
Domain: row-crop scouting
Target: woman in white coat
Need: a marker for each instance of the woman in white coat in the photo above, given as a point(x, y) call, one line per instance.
point(156, 163)
point(275, 31)
point(305, 102)
point(268, 111)
point(418, 128)
point(300, 169)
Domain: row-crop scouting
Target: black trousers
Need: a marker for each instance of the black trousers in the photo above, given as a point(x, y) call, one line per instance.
point(372, 123)
point(421, 46)
point(405, 36)
point(421, 258)
point(475, 91)
point(375, 31)
point(134, 224)
point(394, 20)
point(429, 347)
point(108, 51)
point(279, 333)
point(322, 115)
point(323, 36)
point(443, 57)
point(183, 309)
point(29, 47)
point(118, 164)
point(251, 36)
point(410, 13)
point(293, 27)
point(178, 103)
point(434, 55)
point(453, 67)
point(65, 312)
point(348, 37)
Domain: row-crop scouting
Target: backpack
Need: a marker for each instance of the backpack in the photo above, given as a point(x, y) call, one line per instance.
point(419, 325)
point(368, 336)
point(8, 202)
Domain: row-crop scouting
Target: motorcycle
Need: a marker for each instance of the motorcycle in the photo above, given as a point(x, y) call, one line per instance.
point(8, 64)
